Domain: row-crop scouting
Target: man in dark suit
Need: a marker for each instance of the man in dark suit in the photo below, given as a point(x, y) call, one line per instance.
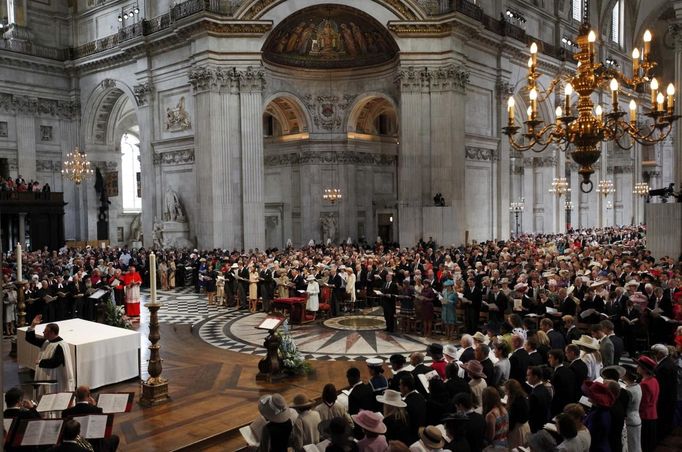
point(389, 290)
point(572, 331)
point(86, 405)
point(666, 374)
point(567, 304)
point(605, 344)
point(397, 364)
point(268, 286)
point(361, 396)
point(539, 399)
point(563, 381)
point(497, 304)
point(416, 406)
point(417, 361)
point(17, 407)
point(556, 338)
point(578, 367)
point(475, 428)
point(472, 309)
point(482, 355)
point(617, 341)
point(535, 358)
point(467, 344)
point(70, 438)
point(338, 291)
point(518, 360)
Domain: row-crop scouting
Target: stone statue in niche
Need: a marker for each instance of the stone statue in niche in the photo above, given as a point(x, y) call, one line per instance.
point(173, 209)
point(329, 225)
point(135, 229)
point(177, 118)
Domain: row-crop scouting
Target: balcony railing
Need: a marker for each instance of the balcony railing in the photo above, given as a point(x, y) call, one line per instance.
point(227, 8)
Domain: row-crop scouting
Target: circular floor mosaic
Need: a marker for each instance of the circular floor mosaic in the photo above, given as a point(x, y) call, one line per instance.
point(356, 323)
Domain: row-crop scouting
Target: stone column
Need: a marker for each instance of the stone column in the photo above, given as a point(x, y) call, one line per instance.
point(145, 98)
point(676, 28)
point(251, 84)
point(503, 197)
point(410, 81)
point(26, 140)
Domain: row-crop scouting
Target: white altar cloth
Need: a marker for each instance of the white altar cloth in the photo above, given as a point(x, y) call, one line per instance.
point(101, 354)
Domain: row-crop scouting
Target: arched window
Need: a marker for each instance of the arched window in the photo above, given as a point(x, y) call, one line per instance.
point(130, 173)
point(577, 10)
point(617, 22)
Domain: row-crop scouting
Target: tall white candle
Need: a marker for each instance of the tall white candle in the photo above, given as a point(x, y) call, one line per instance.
point(152, 276)
point(19, 263)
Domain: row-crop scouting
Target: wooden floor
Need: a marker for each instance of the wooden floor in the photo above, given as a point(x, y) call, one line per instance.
point(212, 390)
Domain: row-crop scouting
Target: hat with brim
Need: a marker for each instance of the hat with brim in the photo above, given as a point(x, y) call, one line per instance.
point(647, 363)
point(521, 287)
point(374, 362)
point(599, 393)
point(370, 421)
point(431, 437)
point(301, 401)
point(632, 282)
point(450, 351)
point(310, 278)
point(587, 342)
point(480, 337)
point(619, 369)
point(391, 397)
point(455, 417)
point(435, 349)
point(474, 368)
point(448, 283)
point(597, 284)
point(273, 408)
point(570, 290)
point(234, 265)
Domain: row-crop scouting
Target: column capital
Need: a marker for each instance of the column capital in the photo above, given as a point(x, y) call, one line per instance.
point(143, 93)
point(252, 80)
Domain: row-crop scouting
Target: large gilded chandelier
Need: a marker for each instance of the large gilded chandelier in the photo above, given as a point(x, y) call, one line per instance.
point(592, 125)
point(76, 166)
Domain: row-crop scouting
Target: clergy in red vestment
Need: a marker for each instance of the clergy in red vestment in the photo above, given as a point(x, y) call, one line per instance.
point(133, 280)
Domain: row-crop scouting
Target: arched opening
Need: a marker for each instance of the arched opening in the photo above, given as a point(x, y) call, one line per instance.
point(131, 193)
point(374, 117)
point(284, 117)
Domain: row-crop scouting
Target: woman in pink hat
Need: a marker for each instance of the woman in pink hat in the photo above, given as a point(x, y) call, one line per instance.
point(374, 429)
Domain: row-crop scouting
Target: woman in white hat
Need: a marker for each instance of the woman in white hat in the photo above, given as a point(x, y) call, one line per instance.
point(313, 291)
point(396, 419)
point(589, 353)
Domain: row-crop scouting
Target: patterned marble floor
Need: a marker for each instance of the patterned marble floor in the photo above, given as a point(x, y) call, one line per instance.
point(235, 330)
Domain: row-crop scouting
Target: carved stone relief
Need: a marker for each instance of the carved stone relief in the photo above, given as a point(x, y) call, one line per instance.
point(45, 133)
point(143, 93)
point(315, 157)
point(35, 106)
point(177, 118)
point(182, 157)
point(474, 153)
point(451, 77)
point(328, 111)
point(4, 131)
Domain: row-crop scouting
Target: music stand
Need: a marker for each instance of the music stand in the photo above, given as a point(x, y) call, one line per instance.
point(38, 383)
point(271, 366)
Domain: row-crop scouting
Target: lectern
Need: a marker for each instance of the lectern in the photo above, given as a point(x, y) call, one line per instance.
point(270, 367)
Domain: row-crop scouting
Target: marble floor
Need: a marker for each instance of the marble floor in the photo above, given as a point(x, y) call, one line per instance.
point(339, 339)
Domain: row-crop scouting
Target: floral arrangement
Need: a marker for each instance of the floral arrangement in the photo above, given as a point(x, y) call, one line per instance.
point(115, 316)
point(292, 359)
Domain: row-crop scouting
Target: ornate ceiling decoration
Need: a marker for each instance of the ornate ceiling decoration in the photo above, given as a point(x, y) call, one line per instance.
point(329, 37)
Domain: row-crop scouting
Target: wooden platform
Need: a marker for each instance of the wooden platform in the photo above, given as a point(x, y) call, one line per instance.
point(212, 391)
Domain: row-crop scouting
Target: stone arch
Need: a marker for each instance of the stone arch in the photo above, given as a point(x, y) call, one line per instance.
point(367, 108)
point(107, 98)
point(289, 111)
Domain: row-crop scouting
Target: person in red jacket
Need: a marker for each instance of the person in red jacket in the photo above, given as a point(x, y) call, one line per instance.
point(647, 408)
point(133, 280)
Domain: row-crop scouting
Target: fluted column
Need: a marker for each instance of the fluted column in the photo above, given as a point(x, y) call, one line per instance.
point(251, 84)
point(676, 28)
point(410, 81)
point(26, 145)
point(145, 99)
point(503, 196)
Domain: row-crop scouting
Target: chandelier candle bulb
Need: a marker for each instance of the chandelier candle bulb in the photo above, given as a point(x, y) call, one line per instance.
point(659, 101)
point(633, 111)
point(671, 98)
point(654, 90)
point(614, 93)
point(510, 111)
point(635, 62)
point(598, 111)
point(534, 53)
point(568, 90)
point(558, 113)
point(533, 101)
point(647, 44)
